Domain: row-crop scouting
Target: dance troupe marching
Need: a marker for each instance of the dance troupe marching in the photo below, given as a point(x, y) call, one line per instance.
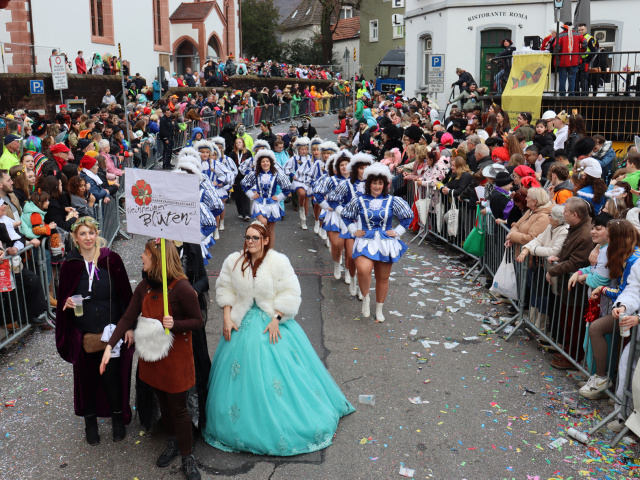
point(266, 391)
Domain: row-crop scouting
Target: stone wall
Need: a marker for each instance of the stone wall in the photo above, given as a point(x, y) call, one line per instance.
point(14, 91)
point(245, 82)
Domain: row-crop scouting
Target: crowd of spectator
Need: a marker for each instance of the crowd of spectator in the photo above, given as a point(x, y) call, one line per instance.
point(568, 201)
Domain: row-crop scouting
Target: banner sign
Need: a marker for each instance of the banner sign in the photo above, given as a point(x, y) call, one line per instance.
point(528, 78)
point(163, 204)
point(59, 72)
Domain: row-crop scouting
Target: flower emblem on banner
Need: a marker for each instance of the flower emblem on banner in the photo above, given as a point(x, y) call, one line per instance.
point(141, 192)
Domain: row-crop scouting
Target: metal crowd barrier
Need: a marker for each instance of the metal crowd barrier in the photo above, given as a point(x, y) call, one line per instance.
point(435, 224)
point(23, 275)
point(549, 310)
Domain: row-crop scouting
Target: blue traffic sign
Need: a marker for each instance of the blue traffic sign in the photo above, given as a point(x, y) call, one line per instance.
point(436, 61)
point(36, 86)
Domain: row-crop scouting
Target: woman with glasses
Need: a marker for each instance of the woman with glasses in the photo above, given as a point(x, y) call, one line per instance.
point(269, 393)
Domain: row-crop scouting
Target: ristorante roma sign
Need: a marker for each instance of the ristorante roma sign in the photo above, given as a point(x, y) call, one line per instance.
point(497, 14)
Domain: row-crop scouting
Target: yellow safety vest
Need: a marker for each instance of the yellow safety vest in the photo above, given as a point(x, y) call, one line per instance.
point(587, 37)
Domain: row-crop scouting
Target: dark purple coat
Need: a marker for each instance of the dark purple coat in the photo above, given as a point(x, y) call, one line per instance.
point(86, 376)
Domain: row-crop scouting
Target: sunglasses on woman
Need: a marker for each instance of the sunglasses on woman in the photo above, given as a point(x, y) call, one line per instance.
point(249, 238)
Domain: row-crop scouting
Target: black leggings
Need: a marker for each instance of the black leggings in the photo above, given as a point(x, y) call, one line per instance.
point(176, 419)
point(243, 204)
point(111, 382)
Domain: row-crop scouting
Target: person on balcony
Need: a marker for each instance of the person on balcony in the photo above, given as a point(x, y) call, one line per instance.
point(569, 44)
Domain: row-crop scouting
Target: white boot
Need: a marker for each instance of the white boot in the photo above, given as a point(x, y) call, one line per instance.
point(336, 270)
point(323, 233)
point(221, 228)
point(353, 286)
point(379, 314)
point(360, 297)
point(366, 312)
point(303, 219)
point(328, 243)
point(316, 227)
point(216, 234)
point(347, 278)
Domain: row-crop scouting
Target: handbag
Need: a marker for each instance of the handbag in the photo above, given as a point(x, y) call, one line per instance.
point(423, 205)
point(474, 243)
point(91, 343)
point(452, 218)
point(504, 282)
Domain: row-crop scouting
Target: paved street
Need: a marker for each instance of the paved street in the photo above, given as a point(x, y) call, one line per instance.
point(487, 409)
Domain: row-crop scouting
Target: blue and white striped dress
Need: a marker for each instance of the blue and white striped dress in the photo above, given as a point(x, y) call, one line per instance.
point(332, 221)
point(375, 215)
point(266, 184)
point(342, 195)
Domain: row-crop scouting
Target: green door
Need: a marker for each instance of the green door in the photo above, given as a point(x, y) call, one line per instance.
point(490, 46)
point(487, 53)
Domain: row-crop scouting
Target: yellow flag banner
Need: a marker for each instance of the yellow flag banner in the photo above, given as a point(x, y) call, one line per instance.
point(528, 78)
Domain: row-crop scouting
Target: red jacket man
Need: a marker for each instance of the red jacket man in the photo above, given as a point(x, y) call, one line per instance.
point(569, 41)
point(81, 66)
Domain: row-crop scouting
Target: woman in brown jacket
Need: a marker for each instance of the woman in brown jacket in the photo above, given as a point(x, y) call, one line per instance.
point(533, 222)
point(166, 358)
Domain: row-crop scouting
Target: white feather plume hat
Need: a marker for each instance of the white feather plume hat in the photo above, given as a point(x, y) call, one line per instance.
point(360, 158)
point(378, 170)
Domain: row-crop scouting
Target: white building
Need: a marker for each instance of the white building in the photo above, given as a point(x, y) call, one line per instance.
point(469, 32)
point(152, 33)
point(346, 39)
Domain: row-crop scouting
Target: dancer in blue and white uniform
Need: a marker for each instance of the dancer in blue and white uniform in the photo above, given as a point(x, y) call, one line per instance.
point(318, 170)
point(336, 173)
point(210, 203)
point(261, 186)
point(349, 189)
point(377, 246)
point(301, 164)
point(217, 171)
point(227, 160)
point(249, 165)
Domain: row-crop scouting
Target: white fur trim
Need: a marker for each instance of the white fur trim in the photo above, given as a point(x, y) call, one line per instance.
point(188, 151)
point(219, 140)
point(342, 154)
point(378, 169)
point(329, 162)
point(614, 192)
point(264, 153)
point(261, 143)
point(329, 145)
point(316, 141)
point(203, 144)
point(152, 343)
point(360, 158)
point(275, 287)
point(302, 142)
point(190, 163)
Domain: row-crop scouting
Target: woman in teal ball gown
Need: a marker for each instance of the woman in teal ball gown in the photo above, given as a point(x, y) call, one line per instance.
point(269, 393)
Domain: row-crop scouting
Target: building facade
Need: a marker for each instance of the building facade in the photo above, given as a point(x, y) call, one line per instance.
point(167, 33)
point(346, 39)
point(381, 30)
point(469, 34)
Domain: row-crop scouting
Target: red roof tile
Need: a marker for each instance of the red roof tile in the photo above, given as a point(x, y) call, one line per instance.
point(192, 11)
point(347, 28)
